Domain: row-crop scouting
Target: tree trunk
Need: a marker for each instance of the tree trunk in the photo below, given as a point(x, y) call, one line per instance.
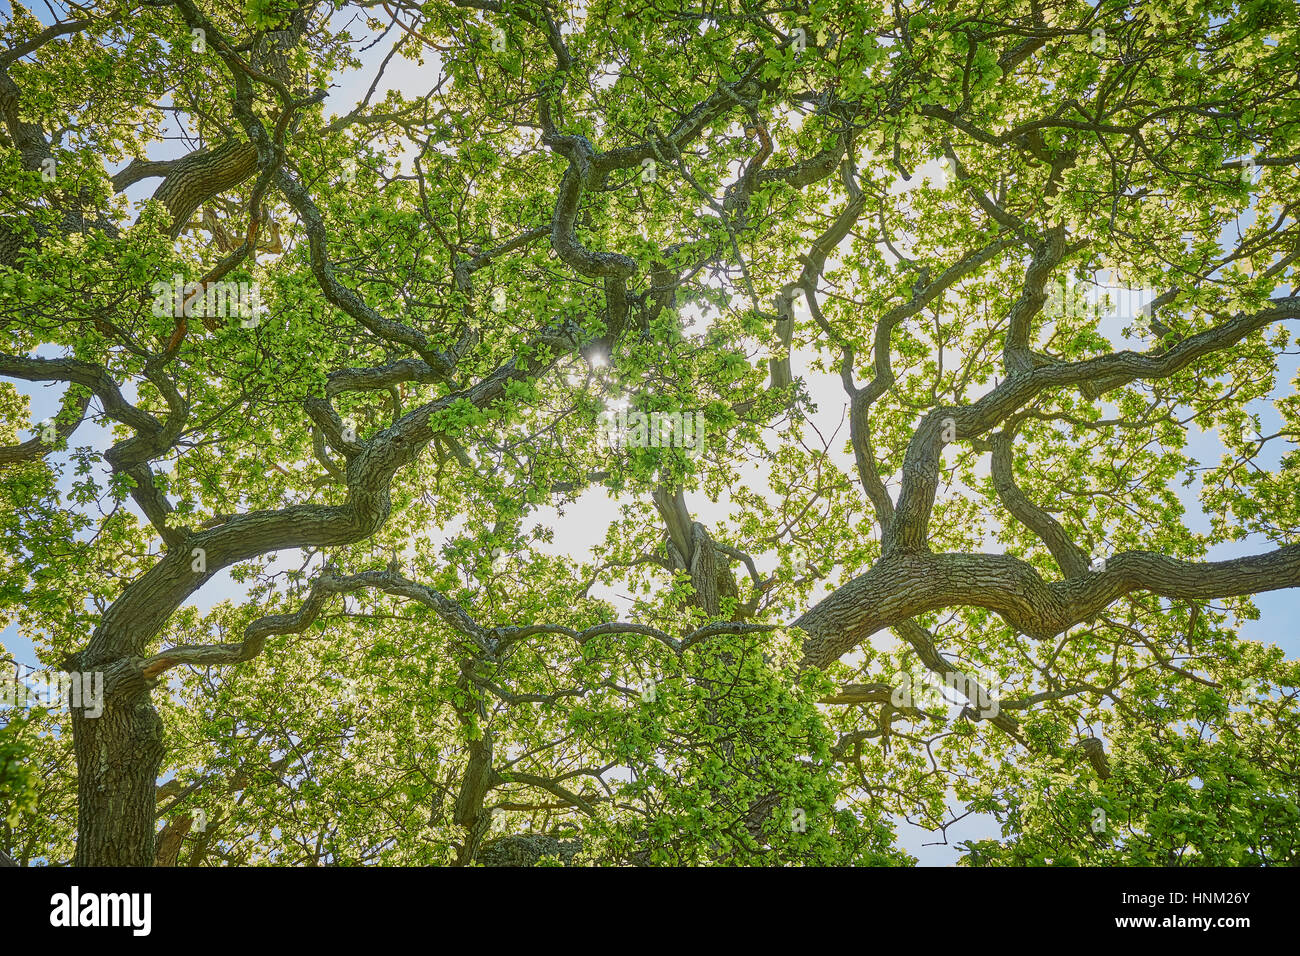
point(118, 755)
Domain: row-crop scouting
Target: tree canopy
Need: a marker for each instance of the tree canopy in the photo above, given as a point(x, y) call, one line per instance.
point(351, 317)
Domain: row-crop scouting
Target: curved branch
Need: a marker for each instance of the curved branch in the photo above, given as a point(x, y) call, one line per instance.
point(1070, 558)
point(909, 530)
point(37, 447)
point(903, 586)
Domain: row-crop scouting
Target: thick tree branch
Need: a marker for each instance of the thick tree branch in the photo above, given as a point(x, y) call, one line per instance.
point(905, 585)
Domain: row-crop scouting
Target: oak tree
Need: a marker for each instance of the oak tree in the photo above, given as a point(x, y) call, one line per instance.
point(504, 269)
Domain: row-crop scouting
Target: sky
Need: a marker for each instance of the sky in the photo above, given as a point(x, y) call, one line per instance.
point(584, 523)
